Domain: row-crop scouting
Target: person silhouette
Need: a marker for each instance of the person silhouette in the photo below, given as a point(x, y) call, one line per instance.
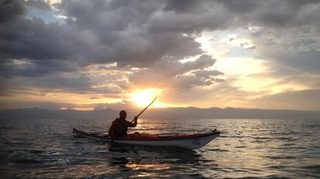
point(119, 126)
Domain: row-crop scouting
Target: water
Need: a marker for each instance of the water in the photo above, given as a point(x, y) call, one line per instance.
point(264, 148)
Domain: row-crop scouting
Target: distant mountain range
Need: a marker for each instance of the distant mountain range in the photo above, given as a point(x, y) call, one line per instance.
point(160, 113)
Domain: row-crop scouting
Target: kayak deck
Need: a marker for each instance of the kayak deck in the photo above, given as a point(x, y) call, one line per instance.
point(190, 141)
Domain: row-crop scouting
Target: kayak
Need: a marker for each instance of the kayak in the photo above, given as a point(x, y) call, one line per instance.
point(188, 141)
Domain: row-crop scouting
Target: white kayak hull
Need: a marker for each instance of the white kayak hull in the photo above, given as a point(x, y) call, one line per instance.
point(193, 141)
point(183, 143)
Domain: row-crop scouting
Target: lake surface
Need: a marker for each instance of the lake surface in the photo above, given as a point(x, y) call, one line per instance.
point(264, 148)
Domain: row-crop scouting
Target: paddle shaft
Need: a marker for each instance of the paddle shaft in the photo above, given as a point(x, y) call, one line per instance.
point(145, 108)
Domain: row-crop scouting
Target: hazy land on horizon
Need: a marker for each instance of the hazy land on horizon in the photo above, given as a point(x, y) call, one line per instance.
point(158, 113)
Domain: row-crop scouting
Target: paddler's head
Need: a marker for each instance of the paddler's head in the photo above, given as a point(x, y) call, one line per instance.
point(123, 114)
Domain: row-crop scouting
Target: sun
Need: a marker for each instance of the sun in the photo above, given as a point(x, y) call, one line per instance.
point(144, 97)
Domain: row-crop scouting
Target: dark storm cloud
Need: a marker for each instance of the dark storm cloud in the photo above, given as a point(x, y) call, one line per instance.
point(3, 86)
point(36, 40)
point(151, 34)
point(235, 13)
point(10, 10)
point(96, 32)
point(127, 32)
point(28, 68)
point(261, 7)
point(135, 33)
point(243, 6)
point(124, 31)
point(272, 12)
point(181, 6)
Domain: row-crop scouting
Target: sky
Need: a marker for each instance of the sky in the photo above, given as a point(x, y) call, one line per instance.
point(81, 54)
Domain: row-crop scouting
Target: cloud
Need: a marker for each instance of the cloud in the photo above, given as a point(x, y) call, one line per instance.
point(65, 84)
point(146, 42)
point(34, 39)
point(177, 74)
point(95, 32)
point(38, 5)
point(181, 6)
point(305, 99)
point(129, 33)
point(10, 10)
point(173, 68)
point(274, 13)
point(297, 48)
point(125, 34)
point(29, 68)
point(245, 6)
point(238, 41)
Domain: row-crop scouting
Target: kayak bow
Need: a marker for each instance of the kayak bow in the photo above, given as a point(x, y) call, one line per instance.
point(189, 141)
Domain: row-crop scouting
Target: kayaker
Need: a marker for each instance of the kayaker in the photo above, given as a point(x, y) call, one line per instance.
point(119, 126)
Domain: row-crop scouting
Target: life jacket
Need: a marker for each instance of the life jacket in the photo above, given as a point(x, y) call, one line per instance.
point(120, 129)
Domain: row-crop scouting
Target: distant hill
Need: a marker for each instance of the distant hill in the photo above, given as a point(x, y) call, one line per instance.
point(160, 113)
point(231, 113)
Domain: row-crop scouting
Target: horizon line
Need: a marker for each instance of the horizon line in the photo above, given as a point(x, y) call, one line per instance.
point(182, 107)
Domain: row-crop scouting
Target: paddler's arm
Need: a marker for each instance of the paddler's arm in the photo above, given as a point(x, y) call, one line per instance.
point(134, 122)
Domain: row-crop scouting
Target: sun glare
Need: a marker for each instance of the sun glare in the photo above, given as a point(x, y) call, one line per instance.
point(144, 98)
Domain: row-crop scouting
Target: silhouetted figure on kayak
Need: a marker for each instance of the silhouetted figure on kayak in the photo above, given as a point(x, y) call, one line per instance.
point(119, 126)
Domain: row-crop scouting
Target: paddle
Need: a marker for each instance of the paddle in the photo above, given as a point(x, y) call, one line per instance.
point(145, 108)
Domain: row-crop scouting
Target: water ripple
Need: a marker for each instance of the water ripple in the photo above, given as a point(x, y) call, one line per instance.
point(247, 148)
